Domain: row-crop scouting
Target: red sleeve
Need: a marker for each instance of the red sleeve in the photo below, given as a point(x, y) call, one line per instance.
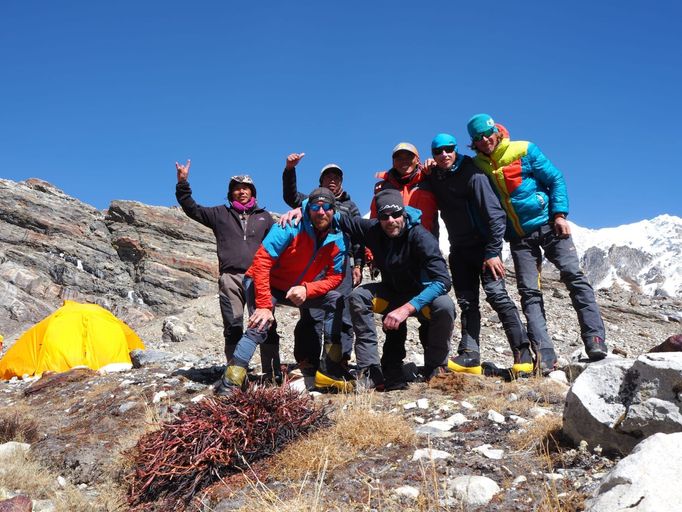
point(332, 278)
point(260, 273)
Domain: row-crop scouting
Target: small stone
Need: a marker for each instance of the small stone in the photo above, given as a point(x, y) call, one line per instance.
point(559, 376)
point(198, 398)
point(473, 491)
point(466, 404)
point(408, 491)
point(419, 419)
point(495, 416)
point(61, 481)
point(488, 451)
point(410, 405)
point(423, 403)
point(519, 480)
point(429, 453)
point(158, 396)
point(553, 477)
point(513, 397)
point(457, 419)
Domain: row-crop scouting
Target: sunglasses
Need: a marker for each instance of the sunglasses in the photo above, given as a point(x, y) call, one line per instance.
point(325, 206)
point(487, 133)
point(443, 149)
point(392, 215)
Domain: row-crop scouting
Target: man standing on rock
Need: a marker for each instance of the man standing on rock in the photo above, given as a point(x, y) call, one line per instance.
point(475, 222)
point(239, 227)
point(533, 193)
point(298, 266)
point(307, 342)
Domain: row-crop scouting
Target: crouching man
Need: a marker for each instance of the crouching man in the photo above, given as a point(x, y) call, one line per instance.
point(414, 282)
point(298, 266)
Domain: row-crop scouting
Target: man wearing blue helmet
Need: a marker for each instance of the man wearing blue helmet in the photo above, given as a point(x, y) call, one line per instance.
point(533, 194)
point(475, 222)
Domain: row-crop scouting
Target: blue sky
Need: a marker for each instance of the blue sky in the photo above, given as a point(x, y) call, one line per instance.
point(101, 98)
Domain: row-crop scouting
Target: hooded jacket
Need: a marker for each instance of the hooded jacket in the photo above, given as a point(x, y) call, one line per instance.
point(411, 263)
point(293, 198)
point(416, 192)
point(530, 188)
point(291, 256)
point(237, 235)
point(470, 209)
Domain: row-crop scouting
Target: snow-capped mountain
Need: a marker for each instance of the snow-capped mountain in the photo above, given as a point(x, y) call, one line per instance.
point(645, 257)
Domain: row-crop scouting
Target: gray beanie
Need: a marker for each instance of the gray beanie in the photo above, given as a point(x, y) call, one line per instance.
point(388, 201)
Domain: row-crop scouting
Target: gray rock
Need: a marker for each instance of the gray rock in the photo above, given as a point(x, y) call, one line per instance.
point(176, 331)
point(473, 490)
point(644, 480)
point(142, 358)
point(617, 403)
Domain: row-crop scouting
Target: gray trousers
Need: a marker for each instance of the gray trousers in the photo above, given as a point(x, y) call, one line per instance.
point(373, 298)
point(466, 267)
point(331, 304)
point(232, 300)
point(527, 254)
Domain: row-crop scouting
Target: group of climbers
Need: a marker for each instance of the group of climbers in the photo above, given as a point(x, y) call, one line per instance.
point(313, 260)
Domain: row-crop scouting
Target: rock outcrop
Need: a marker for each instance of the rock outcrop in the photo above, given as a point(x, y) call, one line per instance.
point(137, 260)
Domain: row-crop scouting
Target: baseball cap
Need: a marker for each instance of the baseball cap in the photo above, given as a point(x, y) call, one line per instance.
point(405, 146)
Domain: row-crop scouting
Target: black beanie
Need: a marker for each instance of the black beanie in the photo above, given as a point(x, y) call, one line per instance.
point(388, 201)
point(322, 194)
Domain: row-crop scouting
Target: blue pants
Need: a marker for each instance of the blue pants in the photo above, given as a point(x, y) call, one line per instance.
point(331, 304)
point(527, 254)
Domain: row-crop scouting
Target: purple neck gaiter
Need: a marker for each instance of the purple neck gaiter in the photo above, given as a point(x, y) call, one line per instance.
point(241, 208)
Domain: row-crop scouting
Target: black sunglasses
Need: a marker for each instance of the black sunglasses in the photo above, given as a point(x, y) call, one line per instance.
point(442, 149)
point(480, 136)
point(393, 215)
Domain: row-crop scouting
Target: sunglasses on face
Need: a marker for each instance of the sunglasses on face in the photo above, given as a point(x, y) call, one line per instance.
point(392, 215)
point(487, 133)
point(443, 149)
point(316, 207)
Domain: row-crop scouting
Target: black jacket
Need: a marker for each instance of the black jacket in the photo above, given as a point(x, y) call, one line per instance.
point(411, 263)
point(238, 236)
point(470, 209)
point(345, 205)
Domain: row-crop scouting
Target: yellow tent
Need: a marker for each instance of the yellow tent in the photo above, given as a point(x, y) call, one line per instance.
point(74, 335)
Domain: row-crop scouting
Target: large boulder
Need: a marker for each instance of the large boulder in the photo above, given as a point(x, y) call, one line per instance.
point(617, 403)
point(644, 481)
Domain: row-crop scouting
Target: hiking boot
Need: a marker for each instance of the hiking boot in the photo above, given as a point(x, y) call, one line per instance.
point(371, 378)
point(325, 382)
point(595, 348)
point(466, 362)
point(394, 378)
point(429, 372)
point(232, 381)
point(523, 363)
point(546, 361)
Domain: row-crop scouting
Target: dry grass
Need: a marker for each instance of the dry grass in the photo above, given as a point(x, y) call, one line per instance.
point(22, 473)
point(18, 424)
point(356, 427)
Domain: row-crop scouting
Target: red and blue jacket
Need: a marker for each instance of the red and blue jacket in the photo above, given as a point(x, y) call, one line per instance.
point(530, 188)
point(291, 256)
